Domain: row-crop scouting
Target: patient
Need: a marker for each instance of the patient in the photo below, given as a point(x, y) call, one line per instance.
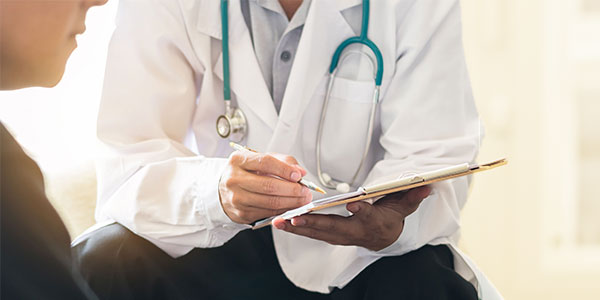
point(36, 38)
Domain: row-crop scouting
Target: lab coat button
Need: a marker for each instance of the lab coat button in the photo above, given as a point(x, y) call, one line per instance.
point(286, 56)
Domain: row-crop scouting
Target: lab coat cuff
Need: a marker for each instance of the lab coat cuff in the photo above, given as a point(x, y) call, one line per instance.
point(217, 220)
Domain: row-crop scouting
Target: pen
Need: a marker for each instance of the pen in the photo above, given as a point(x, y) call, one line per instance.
point(302, 181)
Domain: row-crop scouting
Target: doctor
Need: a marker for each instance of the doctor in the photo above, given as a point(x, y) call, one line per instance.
point(170, 186)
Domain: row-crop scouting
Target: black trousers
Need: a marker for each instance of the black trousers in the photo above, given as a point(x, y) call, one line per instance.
point(120, 265)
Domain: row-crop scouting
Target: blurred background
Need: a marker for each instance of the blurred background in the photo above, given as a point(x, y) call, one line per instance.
point(533, 226)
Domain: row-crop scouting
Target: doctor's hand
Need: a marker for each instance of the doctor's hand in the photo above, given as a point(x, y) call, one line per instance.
point(372, 226)
point(255, 186)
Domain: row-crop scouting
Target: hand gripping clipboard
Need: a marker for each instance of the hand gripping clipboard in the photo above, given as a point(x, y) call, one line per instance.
point(379, 190)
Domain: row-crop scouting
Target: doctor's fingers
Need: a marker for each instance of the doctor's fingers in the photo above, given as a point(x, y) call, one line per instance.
point(290, 160)
point(272, 203)
point(336, 236)
point(269, 185)
point(250, 215)
point(367, 228)
point(267, 164)
point(339, 225)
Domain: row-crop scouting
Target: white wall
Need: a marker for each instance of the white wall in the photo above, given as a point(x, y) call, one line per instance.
point(520, 223)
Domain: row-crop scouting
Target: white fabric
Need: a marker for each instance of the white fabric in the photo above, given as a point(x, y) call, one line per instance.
point(162, 158)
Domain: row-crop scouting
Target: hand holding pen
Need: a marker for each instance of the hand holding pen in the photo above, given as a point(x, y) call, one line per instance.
point(302, 181)
point(255, 186)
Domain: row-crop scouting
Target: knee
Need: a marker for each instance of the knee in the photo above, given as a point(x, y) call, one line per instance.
point(99, 252)
point(115, 262)
point(427, 273)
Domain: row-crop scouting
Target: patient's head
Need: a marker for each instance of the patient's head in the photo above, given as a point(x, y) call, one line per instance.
point(36, 38)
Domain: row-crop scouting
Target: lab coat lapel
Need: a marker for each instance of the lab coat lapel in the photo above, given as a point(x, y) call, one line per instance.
point(325, 28)
point(343, 4)
point(247, 83)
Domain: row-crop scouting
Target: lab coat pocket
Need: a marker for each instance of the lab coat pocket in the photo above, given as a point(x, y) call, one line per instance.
point(345, 127)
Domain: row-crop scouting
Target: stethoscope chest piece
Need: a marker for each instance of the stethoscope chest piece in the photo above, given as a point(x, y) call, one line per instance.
point(232, 125)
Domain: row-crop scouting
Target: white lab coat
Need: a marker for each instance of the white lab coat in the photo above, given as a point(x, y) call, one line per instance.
point(162, 159)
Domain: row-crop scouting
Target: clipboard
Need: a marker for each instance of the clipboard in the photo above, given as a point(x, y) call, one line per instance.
point(382, 189)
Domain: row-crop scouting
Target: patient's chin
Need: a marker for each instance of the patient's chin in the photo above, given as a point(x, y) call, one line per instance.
point(37, 78)
point(48, 82)
point(51, 78)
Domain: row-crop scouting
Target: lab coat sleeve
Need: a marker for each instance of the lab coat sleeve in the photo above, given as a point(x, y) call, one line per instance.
point(148, 180)
point(429, 120)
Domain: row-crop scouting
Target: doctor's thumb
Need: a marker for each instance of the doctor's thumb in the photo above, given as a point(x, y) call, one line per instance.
point(360, 208)
point(413, 198)
point(405, 202)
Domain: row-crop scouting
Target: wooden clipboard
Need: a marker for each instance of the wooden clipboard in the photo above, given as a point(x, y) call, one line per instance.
point(358, 196)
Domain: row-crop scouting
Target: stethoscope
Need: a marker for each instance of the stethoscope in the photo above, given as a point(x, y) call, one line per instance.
point(232, 124)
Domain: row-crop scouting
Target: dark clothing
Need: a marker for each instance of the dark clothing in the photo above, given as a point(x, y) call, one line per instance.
point(121, 265)
point(35, 245)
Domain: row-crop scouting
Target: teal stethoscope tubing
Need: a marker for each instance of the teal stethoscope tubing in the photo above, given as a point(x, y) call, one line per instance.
point(362, 39)
point(225, 42)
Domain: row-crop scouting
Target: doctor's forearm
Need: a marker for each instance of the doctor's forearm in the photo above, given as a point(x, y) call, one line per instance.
point(173, 203)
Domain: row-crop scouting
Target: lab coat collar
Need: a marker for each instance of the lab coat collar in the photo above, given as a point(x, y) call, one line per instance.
point(209, 19)
point(311, 65)
point(340, 4)
point(313, 57)
point(345, 4)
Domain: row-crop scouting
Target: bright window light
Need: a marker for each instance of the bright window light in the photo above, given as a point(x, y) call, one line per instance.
point(57, 126)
